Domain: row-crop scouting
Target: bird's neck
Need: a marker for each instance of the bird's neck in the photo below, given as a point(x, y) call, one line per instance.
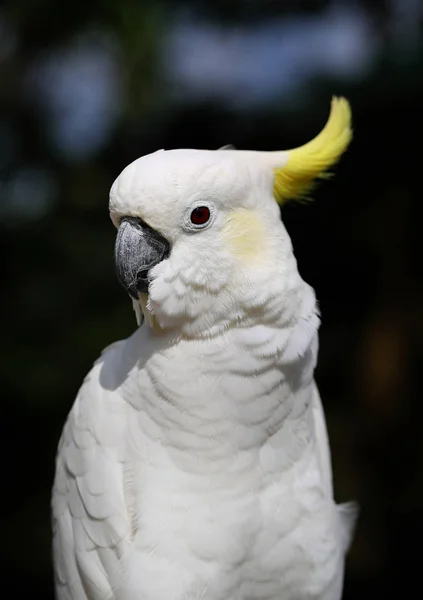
point(205, 398)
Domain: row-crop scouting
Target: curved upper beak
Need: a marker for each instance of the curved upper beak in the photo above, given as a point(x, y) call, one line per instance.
point(138, 249)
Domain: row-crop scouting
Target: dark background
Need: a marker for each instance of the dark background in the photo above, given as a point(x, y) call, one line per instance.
point(87, 87)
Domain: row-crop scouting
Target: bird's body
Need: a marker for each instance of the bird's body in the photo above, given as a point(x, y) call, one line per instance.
point(195, 462)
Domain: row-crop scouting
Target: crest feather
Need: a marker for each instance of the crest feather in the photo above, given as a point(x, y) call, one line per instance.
point(311, 161)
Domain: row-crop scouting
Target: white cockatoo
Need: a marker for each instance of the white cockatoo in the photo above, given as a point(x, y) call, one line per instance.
point(195, 461)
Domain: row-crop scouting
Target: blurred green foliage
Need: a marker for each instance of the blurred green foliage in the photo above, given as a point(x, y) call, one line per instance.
point(357, 244)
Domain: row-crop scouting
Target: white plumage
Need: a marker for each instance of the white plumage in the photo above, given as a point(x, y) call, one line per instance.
point(195, 462)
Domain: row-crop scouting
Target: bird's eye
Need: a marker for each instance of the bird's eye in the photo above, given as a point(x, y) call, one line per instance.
point(200, 215)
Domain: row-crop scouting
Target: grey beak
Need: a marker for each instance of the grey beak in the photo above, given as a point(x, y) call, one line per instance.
point(138, 249)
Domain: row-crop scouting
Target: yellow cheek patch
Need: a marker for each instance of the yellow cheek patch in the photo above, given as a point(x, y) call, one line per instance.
point(244, 233)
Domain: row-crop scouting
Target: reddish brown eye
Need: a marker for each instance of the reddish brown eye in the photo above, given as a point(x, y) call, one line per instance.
point(200, 215)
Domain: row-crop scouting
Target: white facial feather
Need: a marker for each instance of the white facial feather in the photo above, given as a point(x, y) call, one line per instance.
point(218, 274)
point(162, 184)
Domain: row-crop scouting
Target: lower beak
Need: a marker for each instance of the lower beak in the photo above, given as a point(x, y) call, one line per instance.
point(138, 249)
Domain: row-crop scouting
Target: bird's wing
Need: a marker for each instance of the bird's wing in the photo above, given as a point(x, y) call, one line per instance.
point(91, 521)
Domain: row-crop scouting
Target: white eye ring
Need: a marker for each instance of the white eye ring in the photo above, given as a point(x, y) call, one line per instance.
point(190, 225)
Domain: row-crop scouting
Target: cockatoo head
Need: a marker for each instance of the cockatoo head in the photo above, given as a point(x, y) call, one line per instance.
point(200, 244)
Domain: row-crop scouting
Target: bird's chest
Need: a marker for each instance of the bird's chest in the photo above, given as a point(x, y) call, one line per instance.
point(221, 478)
point(207, 402)
point(242, 534)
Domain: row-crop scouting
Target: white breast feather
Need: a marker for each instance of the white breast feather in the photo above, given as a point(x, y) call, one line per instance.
point(185, 473)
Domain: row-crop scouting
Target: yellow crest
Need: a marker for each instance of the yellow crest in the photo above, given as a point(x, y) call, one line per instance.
point(307, 163)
